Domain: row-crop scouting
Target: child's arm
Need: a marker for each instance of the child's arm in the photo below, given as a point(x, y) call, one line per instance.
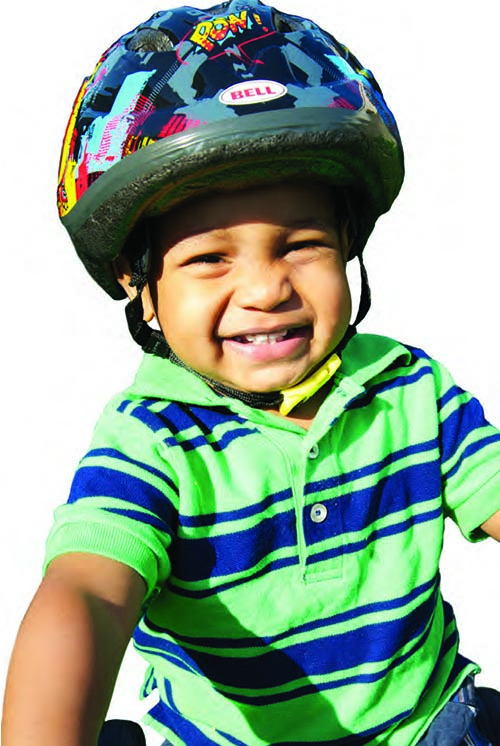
point(492, 526)
point(69, 650)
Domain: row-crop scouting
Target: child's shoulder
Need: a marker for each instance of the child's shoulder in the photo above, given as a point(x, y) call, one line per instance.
point(369, 354)
point(368, 358)
point(369, 344)
point(367, 348)
point(159, 381)
point(163, 396)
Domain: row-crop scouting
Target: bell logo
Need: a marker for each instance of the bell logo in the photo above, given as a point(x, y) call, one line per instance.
point(252, 92)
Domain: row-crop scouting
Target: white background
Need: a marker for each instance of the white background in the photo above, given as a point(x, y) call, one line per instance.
point(433, 262)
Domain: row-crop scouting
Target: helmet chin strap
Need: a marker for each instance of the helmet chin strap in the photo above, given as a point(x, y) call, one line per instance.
point(153, 341)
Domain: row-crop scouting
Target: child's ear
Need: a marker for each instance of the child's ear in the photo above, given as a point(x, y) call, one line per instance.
point(147, 304)
point(123, 274)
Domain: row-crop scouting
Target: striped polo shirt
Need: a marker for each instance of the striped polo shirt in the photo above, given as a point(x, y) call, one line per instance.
point(293, 576)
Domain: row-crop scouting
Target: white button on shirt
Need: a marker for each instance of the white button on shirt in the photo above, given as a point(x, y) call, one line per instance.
point(314, 451)
point(319, 513)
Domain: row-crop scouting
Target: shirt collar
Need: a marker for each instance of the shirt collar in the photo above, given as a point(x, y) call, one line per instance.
point(364, 357)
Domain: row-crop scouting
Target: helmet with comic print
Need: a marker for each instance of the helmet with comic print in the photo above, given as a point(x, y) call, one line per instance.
point(229, 96)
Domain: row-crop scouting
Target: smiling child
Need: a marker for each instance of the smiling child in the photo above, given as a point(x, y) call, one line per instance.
point(263, 509)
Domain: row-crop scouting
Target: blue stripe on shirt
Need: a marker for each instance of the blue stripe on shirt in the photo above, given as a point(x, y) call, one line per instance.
point(370, 643)
point(195, 559)
point(119, 456)
point(393, 383)
point(430, 587)
point(92, 481)
point(458, 425)
point(370, 469)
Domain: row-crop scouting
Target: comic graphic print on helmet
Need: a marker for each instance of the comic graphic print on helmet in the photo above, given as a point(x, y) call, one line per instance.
point(230, 96)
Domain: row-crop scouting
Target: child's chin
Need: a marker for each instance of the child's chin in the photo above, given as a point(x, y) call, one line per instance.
point(263, 382)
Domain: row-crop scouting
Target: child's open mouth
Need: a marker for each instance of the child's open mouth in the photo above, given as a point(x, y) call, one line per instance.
point(267, 346)
point(262, 338)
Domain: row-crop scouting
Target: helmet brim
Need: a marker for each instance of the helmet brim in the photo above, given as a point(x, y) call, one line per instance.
point(351, 149)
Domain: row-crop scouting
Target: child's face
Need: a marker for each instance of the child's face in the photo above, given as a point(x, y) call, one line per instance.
point(250, 288)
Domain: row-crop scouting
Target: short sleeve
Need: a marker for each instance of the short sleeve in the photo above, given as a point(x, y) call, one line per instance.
point(123, 502)
point(470, 457)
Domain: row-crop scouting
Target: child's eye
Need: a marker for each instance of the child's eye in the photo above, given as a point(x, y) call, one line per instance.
point(301, 245)
point(205, 259)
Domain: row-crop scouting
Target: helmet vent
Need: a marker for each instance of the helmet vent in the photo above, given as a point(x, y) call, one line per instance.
point(284, 25)
point(199, 84)
point(148, 40)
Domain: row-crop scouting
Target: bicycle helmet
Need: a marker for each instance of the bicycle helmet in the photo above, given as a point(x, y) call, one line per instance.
point(192, 100)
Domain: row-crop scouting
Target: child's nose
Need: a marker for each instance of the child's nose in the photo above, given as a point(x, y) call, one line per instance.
point(264, 286)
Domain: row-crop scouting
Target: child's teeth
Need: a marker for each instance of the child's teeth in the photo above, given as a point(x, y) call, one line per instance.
point(261, 339)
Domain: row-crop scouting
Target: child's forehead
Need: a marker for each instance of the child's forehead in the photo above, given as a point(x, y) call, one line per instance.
point(294, 205)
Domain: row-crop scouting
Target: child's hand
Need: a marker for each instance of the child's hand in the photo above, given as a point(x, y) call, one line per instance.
point(69, 650)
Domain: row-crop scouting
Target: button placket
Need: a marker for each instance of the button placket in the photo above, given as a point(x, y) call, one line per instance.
point(320, 518)
point(318, 512)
